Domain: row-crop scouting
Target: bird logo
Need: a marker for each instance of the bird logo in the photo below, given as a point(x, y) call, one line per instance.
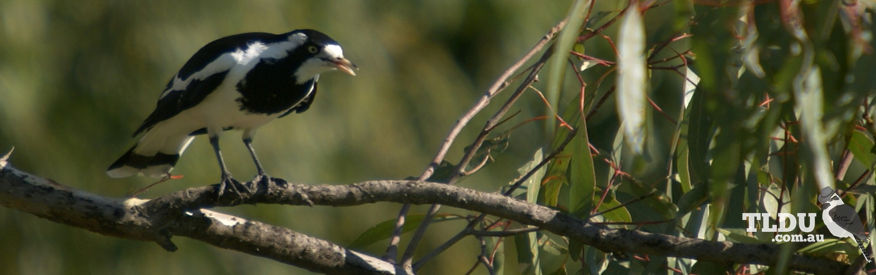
point(842, 220)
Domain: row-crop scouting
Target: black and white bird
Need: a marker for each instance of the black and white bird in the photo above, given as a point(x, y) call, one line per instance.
point(841, 219)
point(241, 82)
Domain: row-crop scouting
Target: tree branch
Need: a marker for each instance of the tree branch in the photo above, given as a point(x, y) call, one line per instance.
point(156, 221)
point(159, 219)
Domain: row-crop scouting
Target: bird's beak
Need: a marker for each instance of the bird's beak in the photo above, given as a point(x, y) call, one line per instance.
point(346, 66)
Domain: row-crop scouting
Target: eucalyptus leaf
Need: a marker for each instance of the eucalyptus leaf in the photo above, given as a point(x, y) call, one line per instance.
point(631, 95)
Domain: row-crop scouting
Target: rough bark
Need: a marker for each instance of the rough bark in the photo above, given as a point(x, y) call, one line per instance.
point(182, 214)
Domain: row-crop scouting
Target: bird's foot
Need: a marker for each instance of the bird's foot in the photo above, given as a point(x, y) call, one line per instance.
point(263, 179)
point(231, 185)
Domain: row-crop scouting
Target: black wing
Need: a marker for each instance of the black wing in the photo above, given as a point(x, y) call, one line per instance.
point(220, 46)
point(177, 99)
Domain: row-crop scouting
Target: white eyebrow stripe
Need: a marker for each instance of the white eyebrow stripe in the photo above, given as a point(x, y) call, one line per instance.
point(334, 50)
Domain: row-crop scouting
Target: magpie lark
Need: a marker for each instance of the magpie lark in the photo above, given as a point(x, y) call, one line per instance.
point(236, 82)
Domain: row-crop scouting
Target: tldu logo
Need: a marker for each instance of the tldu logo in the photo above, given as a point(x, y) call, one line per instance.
point(841, 220)
point(786, 223)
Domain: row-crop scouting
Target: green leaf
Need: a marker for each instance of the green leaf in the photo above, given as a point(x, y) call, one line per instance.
point(499, 254)
point(739, 235)
point(709, 268)
point(562, 46)
point(618, 214)
point(697, 223)
point(693, 199)
point(576, 247)
point(699, 136)
point(383, 230)
point(807, 101)
point(770, 199)
point(863, 189)
point(489, 150)
point(554, 255)
point(830, 247)
point(527, 245)
point(533, 183)
point(683, 165)
point(443, 172)
point(556, 174)
point(631, 96)
point(691, 79)
point(680, 136)
point(582, 177)
point(862, 146)
point(527, 253)
point(596, 18)
point(596, 260)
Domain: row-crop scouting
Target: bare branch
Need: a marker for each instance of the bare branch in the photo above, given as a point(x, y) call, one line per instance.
point(159, 219)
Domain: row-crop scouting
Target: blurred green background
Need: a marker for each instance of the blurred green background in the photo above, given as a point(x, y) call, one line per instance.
point(77, 77)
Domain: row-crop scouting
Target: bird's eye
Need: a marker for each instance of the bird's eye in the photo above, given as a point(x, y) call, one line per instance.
point(312, 49)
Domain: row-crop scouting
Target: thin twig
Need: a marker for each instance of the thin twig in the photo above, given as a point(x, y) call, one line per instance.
point(599, 30)
point(480, 165)
point(659, 47)
point(517, 183)
point(498, 86)
point(407, 258)
point(547, 104)
point(599, 61)
point(670, 58)
point(483, 257)
point(505, 233)
point(860, 179)
point(166, 177)
point(624, 204)
point(473, 267)
point(600, 102)
point(660, 111)
point(635, 223)
point(843, 165)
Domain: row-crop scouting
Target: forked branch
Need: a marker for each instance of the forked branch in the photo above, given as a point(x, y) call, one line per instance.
point(181, 214)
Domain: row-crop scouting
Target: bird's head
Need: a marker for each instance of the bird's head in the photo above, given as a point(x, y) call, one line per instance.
point(828, 197)
point(833, 200)
point(321, 54)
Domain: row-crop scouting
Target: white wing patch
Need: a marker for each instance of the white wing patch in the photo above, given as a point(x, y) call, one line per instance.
point(252, 52)
point(221, 64)
point(241, 57)
point(298, 37)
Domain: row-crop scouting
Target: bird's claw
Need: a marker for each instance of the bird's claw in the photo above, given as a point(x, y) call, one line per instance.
point(263, 179)
point(229, 184)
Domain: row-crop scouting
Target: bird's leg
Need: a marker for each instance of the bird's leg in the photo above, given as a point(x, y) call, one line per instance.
point(261, 177)
point(226, 181)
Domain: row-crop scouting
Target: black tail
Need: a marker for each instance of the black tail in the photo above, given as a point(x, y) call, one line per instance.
point(132, 163)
